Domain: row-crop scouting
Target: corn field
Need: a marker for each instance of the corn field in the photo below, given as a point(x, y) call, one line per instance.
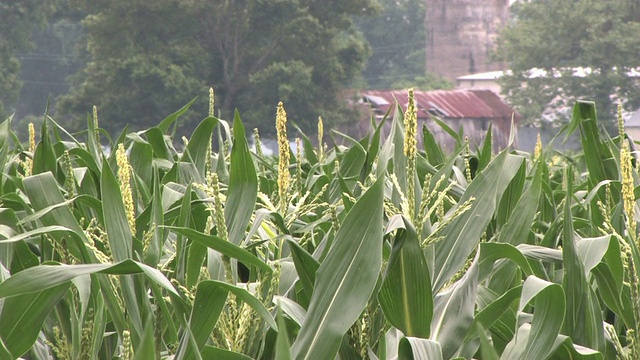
point(205, 248)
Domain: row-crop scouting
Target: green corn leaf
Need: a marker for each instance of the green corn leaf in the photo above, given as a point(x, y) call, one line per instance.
point(158, 144)
point(250, 299)
point(350, 167)
point(342, 286)
point(207, 306)
point(41, 277)
point(199, 145)
point(518, 227)
point(43, 192)
point(243, 186)
point(22, 317)
point(583, 318)
point(222, 246)
point(412, 348)
point(486, 318)
point(463, 234)
point(115, 217)
point(453, 311)
point(169, 120)
point(44, 158)
point(211, 352)
point(535, 341)
point(431, 147)
point(146, 350)
point(283, 352)
point(295, 312)
point(405, 295)
point(306, 266)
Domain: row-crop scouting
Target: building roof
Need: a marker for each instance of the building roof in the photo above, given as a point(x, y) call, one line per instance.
point(464, 103)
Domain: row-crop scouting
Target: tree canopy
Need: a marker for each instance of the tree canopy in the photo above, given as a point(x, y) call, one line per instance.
point(145, 55)
point(18, 19)
point(560, 51)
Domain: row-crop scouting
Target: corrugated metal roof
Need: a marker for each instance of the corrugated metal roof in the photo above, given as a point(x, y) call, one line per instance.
point(467, 103)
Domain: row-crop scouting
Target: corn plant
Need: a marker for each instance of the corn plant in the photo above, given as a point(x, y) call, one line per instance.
point(202, 249)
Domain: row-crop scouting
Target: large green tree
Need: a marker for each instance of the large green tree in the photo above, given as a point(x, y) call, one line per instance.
point(560, 51)
point(150, 56)
point(18, 19)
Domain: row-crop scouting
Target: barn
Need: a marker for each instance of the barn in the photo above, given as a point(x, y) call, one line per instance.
point(469, 110)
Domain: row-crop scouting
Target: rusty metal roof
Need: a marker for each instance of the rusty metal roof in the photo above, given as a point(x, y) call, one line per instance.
point(464, 103)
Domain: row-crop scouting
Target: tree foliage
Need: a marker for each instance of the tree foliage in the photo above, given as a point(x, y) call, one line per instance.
point(18, 19)
point(148, 55)
point(560, 51)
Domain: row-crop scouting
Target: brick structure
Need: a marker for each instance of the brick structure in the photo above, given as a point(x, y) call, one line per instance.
point(461, 34)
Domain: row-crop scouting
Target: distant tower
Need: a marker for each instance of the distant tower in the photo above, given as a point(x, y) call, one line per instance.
point(461, 35)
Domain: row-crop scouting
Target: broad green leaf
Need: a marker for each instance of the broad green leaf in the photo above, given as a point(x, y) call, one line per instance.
point(283, 351)
point(22, 317)
point(306, 266)
point(350, 167)
point(518, 227)
point(209, 302)
point(250, 299)
point(485, 319)
point(146, 350)
point(35, 233)
point(44, 158)
point(583, 318)
point(199, 145)
point(43, 192)
point(222, 246)
point(243, 186)
point(115, 216)
point(405, 295)
point(463, 234)
point(41, 277)
point(211, 352)
point(169, 120)
point(412, 348)
point(431, 148)
point(342, 287)
point(549, 310)
point(453, 311)
point(295, 312)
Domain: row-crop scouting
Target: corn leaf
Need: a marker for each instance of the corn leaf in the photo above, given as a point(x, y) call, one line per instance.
point(115, 216)
point(243, 186)
point(222, 246)
point(583, 318)
point(22, 317)
point(463, 234)
point(41, 277)
point(342, 287)
point(405, 295)
point(412, 348)
point(536, 340)
point(209, 302)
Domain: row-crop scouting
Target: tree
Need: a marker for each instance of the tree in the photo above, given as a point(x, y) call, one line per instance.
point(560, 51)
point(18, 19)
point(398, 41)
point(150, 56)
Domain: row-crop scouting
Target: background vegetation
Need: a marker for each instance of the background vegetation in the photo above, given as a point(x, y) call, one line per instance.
point(569, 50)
